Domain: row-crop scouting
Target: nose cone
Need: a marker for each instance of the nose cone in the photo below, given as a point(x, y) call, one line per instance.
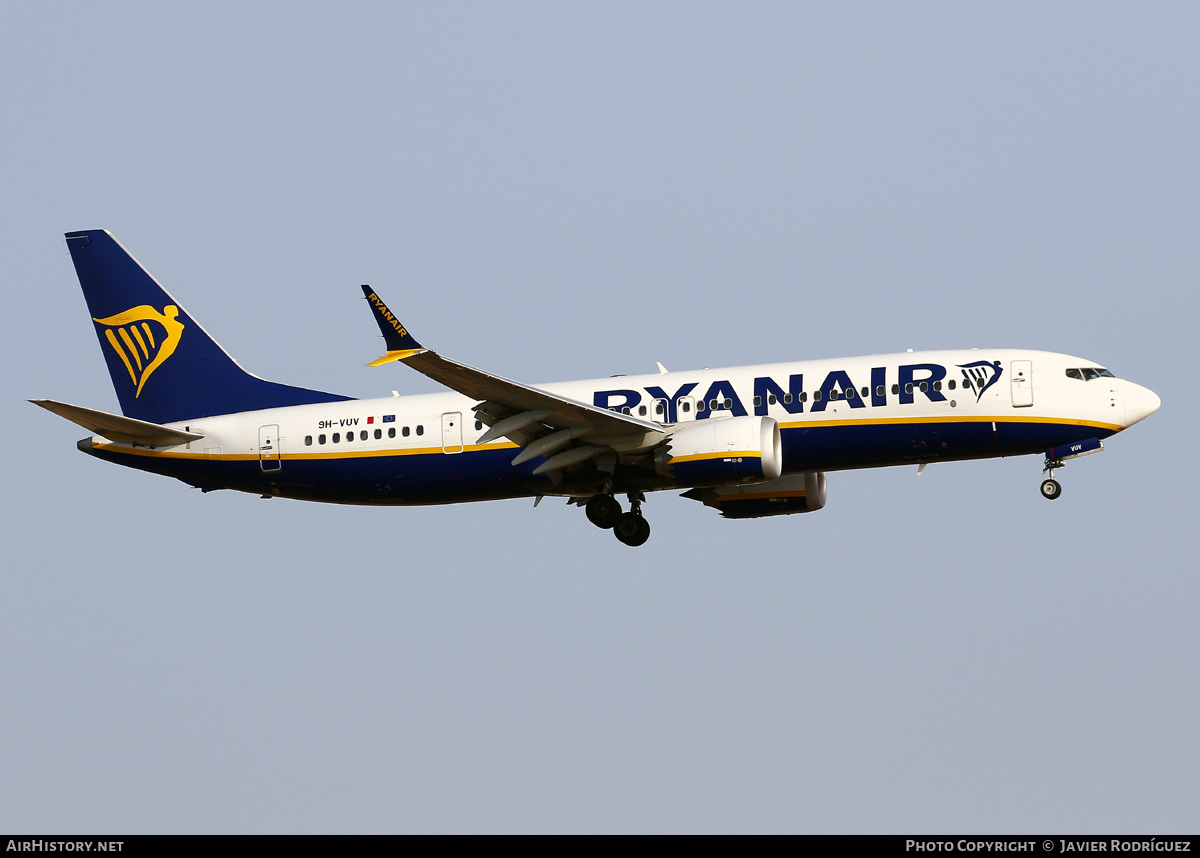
point(1140, 403)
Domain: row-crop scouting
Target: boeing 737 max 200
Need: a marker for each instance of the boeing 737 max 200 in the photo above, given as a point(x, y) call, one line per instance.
point(748, 441)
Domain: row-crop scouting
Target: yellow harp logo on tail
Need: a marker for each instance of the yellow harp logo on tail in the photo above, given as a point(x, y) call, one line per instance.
point(143, 338)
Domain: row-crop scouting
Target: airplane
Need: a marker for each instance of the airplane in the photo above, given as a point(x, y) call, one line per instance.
point(747, 441)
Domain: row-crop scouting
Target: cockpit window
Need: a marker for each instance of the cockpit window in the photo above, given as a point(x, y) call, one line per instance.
point(1089, 373)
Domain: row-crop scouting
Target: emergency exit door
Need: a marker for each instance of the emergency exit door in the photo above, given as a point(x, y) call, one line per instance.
point(452, 432)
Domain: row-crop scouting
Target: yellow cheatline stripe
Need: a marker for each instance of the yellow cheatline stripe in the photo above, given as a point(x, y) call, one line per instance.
point(396, 355)
point(112, 341)
point(291, 457)
point(132, 349)
point(745, 454)
point(149, 333)
point(137, 335)
point(893, 421)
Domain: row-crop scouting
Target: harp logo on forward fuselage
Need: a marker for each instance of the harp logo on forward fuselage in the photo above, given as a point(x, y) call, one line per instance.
point(143, 339)
point(980, 375)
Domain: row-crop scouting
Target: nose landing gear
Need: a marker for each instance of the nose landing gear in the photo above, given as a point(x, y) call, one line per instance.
point(1051, 490)
point(1056, 457)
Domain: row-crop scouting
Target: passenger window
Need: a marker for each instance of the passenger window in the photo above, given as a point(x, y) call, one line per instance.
point(879, 390)
point(771, 399)
point(908, 388)
point(895, 389)
point(420, 429)
point(658, 408)
point(404, 431)
point(803, 396)
point(757, 401)
point(937, 385)
point(851, 393)
point(866, 391)
point(728, 403)
point(699, 406)
point(478, 425)
point(816, 396)
point(308, 440)
point(687, 406)
point(391, 431)
point(834, 395)
point(924, 387)
point(641, 411)
point(378, 434)
point(624, 410)
point(320, 439)
point(951, 384)
point(337, 437)
point(787, 399)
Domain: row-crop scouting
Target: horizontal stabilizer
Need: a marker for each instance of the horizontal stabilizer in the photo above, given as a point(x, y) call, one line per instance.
point(117, 428)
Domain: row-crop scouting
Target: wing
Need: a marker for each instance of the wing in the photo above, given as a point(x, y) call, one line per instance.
point(567, 432)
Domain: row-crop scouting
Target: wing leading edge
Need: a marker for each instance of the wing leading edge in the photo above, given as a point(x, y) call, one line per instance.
point(566, 431)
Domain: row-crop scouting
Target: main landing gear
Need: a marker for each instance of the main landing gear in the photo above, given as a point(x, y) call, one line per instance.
point(1051, 490)
point(631, 528)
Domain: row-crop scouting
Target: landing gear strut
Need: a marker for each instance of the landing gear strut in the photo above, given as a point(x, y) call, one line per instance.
point(1051, 490)
point(631, 528)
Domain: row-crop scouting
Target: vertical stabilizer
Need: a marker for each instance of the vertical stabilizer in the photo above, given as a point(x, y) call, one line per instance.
point(164, 365)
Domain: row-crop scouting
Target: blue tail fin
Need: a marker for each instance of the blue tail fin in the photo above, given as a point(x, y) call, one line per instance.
point(164, 366)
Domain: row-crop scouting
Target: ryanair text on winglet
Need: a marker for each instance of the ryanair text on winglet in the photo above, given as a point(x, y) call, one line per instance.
point(387, 314)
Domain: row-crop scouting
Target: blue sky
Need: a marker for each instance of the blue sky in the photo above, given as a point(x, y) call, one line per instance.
point(557, 192)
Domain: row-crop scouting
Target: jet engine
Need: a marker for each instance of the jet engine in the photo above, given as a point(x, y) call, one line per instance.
point(784, 496)
point(727, 451)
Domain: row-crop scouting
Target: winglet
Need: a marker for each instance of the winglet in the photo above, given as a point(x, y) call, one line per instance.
point(400, 343)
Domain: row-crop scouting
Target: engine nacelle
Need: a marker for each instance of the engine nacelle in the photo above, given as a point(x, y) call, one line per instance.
point(724, 451)
point(784, 496)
